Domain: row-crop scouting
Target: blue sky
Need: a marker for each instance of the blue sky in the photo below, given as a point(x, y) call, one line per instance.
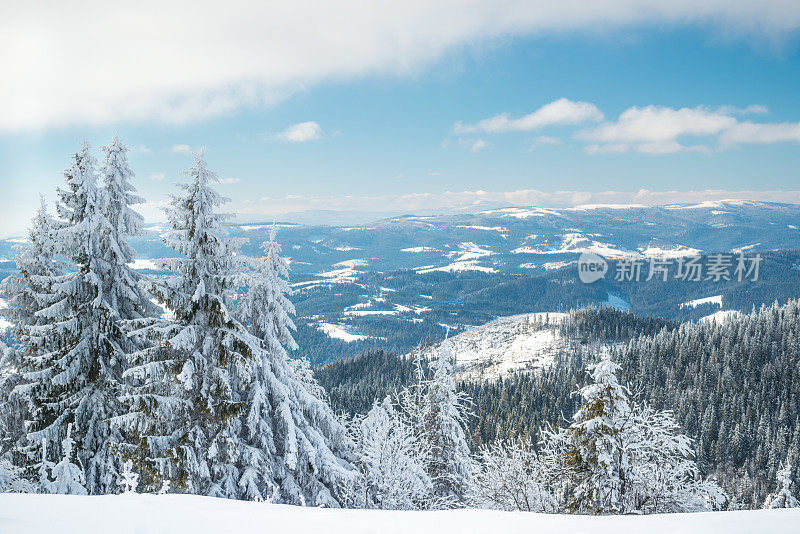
point(682, 111)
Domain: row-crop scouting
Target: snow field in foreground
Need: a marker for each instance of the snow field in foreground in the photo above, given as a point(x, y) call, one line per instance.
point(176, 514)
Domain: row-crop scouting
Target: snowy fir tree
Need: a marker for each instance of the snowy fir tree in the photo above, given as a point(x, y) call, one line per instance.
point(216, 407)
point(123, 287)
point(188, 385)
point(783, 498)
point(27, 292)
point(68, 478)
point(392, 461)
point(443, 432)
point(290, 439)
point(597, 451)
point(618, 458)
point(76, 351)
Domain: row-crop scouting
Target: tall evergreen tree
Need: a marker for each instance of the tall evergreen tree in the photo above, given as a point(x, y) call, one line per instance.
point(290, 439)
point(27, 292)
point(188, 386)
point(76, 351)
point(598, 452)
point(450, 466)
point(619, 458)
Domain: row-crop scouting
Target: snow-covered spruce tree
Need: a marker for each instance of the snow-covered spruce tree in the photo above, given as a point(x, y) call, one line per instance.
point(76, 350)
point(26, 292)
point(392, 461)
point(598, 454)
point(510, 476)
point(450, 466)
point(618, 458)
point(189, 386)
point(289, 438)
point(783, 498)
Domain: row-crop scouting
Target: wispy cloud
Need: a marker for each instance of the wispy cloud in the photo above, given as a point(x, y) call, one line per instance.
point(544, 140)
point(301, 132)
point(749, 132)
point(157, 176)
point(474, 145)
point(181, 149)
point(229, 180)
point(559, 112)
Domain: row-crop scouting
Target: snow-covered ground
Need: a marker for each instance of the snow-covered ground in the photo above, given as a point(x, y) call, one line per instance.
point(467, 258)
point(191, 514)
point(338, 331)
point(716, 299)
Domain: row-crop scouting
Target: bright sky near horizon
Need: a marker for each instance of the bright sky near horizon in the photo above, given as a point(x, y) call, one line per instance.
point(407, 106)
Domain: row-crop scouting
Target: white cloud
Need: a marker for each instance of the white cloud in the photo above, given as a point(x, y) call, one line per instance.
point(434, 173)
point(749, 132)
point(195, 60)
point(479, 145)
point(157, 176)
point(474, 145)
point(655, 129)
point(301, 132)
point(661, 130)
point(181, 149)
point(229, 180)
point(561, 111)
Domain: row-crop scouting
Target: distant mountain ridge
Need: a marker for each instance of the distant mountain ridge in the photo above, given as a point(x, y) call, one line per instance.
point(397, 281)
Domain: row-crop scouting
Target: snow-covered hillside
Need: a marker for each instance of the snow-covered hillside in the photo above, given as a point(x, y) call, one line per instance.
point(177, 514)
point(517, 343)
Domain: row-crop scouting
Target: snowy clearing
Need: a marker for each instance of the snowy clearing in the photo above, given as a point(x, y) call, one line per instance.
point(716, 299)
point(342, 332)
point(507, 345)
point(175, 514)
point(676, 251)
point(577, 243)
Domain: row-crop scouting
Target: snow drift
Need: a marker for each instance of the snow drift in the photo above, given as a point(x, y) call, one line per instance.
point(176, 514)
